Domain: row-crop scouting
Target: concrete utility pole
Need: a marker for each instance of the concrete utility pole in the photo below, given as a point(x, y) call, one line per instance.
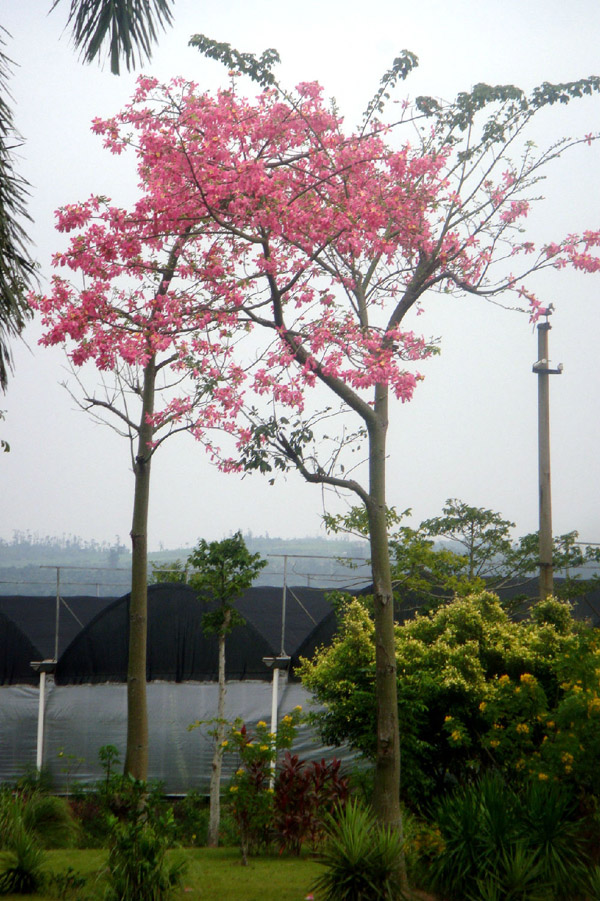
point(543, 371)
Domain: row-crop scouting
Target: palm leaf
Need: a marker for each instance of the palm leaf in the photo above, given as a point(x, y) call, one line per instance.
point(129, 27)
point(16, 266)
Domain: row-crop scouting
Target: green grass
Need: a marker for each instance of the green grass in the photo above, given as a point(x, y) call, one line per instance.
point(212, 875)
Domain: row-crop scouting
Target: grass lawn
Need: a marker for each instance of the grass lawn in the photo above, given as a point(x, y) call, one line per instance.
point(212, 875)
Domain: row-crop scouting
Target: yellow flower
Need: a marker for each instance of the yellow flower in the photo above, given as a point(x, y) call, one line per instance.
point(287, 720)
point(543, 777)
point(523, 728)
point(233, 788)
point(298, 707)
point(566, 757)
point(568, 769)
point(520, 764)
point(240, 772)
point(494, 743)
point(504, 679)
point(482, 706)
point(550, 724)
point(264, 747)
point(447, 719)
point(224, 743)
point(594, 705)
point(455, 735)
point(261, 724)
point(527, 678)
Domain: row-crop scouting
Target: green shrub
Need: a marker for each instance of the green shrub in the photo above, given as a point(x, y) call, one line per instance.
point(21, 866)
point(516, 876)
point(50, 819)
point(33, 780)
point(506, 844)
point(10, 812)
point(47, 817)
point(592, 884)
point(549, 823)
point(363, 861)
point(94, 806)
point(191, 820)
point(91, 814)
point(137, 866)
point(191, 814)
point(64, 884)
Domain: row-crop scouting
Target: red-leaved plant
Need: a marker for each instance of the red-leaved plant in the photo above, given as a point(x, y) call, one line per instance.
point(306, 792)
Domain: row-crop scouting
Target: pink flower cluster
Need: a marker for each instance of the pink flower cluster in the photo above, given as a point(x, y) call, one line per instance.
point(265, 218)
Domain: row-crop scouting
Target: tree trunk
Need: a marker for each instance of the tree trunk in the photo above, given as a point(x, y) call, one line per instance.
point(215, 777)
point(136, 755)
point(387, 767)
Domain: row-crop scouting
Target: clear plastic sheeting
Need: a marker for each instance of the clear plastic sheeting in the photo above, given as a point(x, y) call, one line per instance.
point(18, 730)
point(80, 719)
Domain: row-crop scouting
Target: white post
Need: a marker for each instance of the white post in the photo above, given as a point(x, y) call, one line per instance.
point(274, 700)
point(283, 603)
point(40, 729)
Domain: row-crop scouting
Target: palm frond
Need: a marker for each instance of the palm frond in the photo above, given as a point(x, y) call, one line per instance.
point(16, 266)
point(129, 27)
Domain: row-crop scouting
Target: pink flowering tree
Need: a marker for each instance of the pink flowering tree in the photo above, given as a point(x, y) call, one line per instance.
point(335, 238)
point(316, 243)
point(130, 310)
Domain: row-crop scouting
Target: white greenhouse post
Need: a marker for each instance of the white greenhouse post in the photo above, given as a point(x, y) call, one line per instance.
point(277, 663)
point(42, 667)
point(274, 705)
point(40, 728)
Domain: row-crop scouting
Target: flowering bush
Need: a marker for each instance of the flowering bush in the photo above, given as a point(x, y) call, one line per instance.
point(476, 690)
point(251, 789)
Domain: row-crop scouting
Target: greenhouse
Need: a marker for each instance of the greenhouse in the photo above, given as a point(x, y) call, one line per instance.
point(78, 648)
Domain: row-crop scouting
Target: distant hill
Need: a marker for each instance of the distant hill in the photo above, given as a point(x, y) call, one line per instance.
point(30, 564)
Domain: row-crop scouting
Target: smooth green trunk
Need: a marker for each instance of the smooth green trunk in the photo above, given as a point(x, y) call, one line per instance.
point(136, 755)
point(386, 796)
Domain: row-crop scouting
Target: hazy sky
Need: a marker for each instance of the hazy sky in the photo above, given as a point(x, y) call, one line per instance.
point(471, 430)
